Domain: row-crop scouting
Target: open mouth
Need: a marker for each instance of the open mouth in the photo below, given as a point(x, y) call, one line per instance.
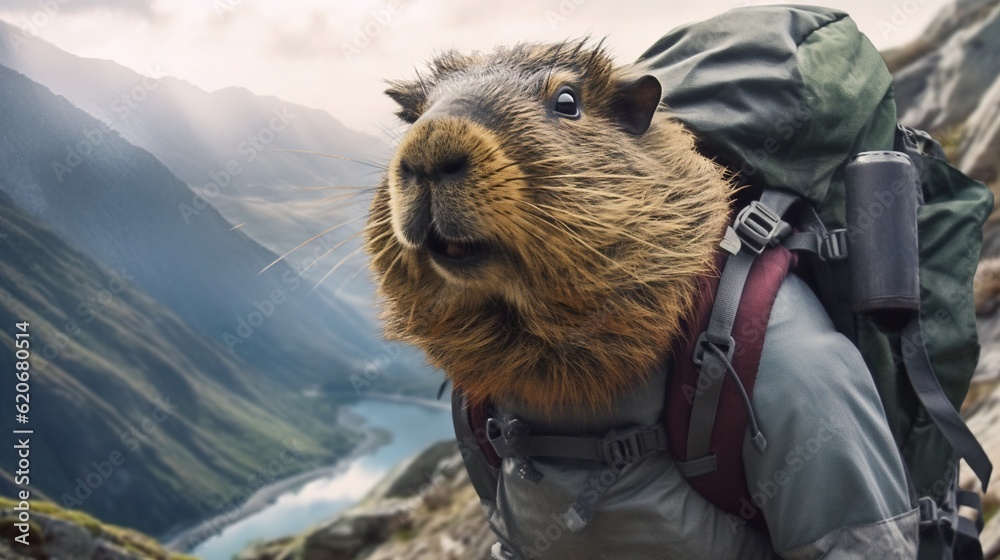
point(458, 253)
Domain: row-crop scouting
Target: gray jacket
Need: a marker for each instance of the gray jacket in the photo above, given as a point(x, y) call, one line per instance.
point(830, 483)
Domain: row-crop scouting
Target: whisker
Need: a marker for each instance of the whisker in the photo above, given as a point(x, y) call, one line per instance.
point(353, 275)
point(583, 243)
point(603, 225)
point(331, 156)
point(345, 187)
point(346, 196)
point(586, 176)
point(393, 136)
point(388, 269)
point(307, 241)
point(328, 251)
point(334, 269)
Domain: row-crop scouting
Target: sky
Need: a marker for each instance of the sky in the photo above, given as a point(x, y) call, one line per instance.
point(336, 54)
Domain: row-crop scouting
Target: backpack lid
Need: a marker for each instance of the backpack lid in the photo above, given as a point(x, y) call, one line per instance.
point(785, 95)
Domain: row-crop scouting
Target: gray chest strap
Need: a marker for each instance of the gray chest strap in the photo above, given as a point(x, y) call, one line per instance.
point(619, 449)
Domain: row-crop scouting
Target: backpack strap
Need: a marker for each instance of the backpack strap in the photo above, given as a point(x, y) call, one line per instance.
point(711, 382)
point(481, 461)
point(917, 144)
point(757, 227)
point(925, 383)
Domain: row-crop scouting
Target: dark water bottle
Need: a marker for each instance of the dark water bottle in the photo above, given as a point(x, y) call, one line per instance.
point(883, 194)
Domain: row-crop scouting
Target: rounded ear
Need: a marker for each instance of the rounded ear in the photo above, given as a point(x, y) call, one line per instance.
point(635, 103)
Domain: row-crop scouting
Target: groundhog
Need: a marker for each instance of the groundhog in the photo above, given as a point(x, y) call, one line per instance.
point(541, 226)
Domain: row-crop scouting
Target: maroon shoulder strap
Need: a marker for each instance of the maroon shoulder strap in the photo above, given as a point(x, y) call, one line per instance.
point(726, 487)
point(477, 416)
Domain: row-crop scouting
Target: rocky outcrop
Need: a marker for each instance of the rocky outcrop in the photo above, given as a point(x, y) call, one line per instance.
point(953, 17)
point(948, 82)
point(982, 407)
point(425, 510)
point(980, 146)
point(58, 534)
point(944, 86)
point(983, 422)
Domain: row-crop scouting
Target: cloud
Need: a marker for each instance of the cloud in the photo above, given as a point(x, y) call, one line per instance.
point(143, 8)
point(336, 54)
point(314, 38)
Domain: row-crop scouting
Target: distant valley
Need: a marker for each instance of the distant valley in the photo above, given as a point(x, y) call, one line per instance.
point(151, 297)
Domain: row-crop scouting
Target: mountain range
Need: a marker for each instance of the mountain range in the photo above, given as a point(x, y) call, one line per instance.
point(281, 198)
point(153, 306)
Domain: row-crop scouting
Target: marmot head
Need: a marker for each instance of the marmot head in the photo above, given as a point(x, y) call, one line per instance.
point(541, 225)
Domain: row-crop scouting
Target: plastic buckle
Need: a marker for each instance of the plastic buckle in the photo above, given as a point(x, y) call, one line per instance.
point(833, 246)
point(620, 448)
point(728, 348)
point(758, 226)
point(928, 513)
point(495, 435)
point(504, 435)
point(934, 517)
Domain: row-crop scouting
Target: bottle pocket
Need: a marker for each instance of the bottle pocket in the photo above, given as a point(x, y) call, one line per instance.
point(883, 193)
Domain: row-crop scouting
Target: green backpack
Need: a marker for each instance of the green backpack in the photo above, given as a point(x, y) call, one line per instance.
point(788, 97)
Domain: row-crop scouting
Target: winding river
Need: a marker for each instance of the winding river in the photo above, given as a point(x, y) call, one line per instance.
point(413, 426)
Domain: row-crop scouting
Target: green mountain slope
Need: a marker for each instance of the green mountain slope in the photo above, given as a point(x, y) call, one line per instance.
point(57, 533)
point(138, 419)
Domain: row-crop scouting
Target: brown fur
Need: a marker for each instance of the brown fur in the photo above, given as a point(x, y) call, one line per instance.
point(597, 235)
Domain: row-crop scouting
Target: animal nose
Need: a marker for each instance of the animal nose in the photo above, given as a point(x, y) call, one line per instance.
point(449, 169)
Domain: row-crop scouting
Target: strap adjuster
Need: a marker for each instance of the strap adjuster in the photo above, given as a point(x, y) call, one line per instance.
point(928, 513)
point(619, 448)
point(758, 227)
point(728, 347)
point(506, 435)
point(934, 517)
point(833, 245)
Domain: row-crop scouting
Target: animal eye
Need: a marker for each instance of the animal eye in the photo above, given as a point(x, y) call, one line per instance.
point(566, 104)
